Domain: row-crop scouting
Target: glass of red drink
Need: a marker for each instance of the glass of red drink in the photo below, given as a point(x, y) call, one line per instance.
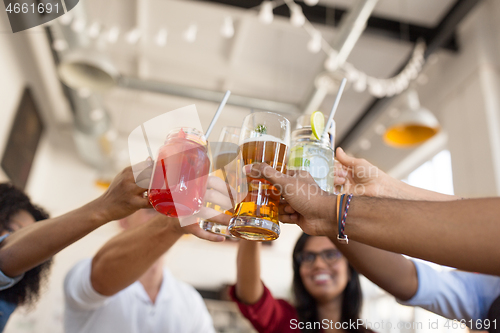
point(180, 174)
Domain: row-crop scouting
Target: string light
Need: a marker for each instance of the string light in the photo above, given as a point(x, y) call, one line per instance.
point(311, 2)
point(133, 36)
point(113, 34)
point(60, 45)
point(161, 37)
point(266, 15)
point(94, 30)
point(331, 63)
point(359, 80)
point(78, 25)
point(227, 30)
point(66, 19)
point(314, 45)
point(297, 18)
point(190, 33)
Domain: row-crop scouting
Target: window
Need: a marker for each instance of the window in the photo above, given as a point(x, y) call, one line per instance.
point(434, 175)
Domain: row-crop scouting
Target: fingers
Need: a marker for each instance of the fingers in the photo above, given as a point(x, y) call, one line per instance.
point(217, 184)
point(343, 158)
point(339, 180)
point(200, 233)
point(218, 198)
point(286, 209)
point(299, 174)
point(289, 218)
point(214, 216)
point(144, 178)
point(143, 203)
point(263, 170)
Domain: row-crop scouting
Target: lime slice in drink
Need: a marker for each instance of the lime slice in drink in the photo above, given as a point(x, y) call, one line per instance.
point(317, 124)
point(297, 159)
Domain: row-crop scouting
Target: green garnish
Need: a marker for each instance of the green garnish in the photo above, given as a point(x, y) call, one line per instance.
point(262, 129)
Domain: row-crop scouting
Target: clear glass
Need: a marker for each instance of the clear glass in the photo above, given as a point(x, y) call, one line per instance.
point(265, 137)
point(180, 174)
point(225, 166)
point(314, 156)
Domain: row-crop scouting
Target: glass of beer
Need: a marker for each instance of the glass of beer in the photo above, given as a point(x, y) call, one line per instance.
point(264, 138)
point(225, 165)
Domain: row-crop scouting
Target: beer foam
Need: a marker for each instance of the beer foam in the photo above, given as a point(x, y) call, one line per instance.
point(265, 137)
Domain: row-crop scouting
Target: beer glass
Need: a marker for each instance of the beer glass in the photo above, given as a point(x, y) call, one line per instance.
point(265, 138)
point(180, 174)
point(225, 165)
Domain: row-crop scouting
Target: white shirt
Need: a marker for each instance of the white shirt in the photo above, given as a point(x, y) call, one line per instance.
point(178, 307)
point(454, 294)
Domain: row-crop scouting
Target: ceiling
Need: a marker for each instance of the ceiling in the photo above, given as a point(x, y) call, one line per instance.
point(262, 61)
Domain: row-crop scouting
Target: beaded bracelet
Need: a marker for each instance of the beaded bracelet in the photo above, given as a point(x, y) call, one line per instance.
point(340, 200)
point(342, 237)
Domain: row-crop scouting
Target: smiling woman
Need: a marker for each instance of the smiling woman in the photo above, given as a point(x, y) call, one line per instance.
point(326, 288)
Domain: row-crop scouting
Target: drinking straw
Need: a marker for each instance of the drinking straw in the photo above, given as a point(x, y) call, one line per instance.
point(217, 113)
point(147, 142)
point(334, 109)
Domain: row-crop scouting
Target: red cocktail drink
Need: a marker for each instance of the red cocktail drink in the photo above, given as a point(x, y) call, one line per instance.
point(180, 174)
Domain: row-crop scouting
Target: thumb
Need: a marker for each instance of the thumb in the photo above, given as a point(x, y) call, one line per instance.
point(345, 159)
point(263, 170)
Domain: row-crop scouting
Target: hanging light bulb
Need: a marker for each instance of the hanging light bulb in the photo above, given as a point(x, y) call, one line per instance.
point(133, 36)
point(94, 30)
point(78, 25)
point(112, 35)
point(365, 144)
point(314, 45)
point(60, 45)
point(332, 64)
point(66, 19)
point(360, 84)
point(227, 30)
point(413, 126)
point(311, 2)
point(266, 15)
point(376, 87)
point(161, 37)
point(297, 17)
point(190, 33)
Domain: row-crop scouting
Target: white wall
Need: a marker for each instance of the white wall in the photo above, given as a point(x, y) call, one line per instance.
point(464, 91)
point(11, 84)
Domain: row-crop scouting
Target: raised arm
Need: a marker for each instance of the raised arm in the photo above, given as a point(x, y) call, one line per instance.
point(363, 178)
point(127, 256)
point(34, 244)
point(249, 288)
point(460, 233)
point(390, 271)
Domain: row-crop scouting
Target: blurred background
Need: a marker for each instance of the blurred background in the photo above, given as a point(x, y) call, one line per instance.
point(74, 88)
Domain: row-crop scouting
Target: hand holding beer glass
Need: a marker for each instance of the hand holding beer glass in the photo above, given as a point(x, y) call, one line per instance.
point(264, 138)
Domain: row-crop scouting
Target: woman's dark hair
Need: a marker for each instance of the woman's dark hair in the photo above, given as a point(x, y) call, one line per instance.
point(12, 201)
point(305, 304)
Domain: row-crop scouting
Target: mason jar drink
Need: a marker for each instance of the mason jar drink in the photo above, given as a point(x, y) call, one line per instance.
point(180, 174)
point(314, 156)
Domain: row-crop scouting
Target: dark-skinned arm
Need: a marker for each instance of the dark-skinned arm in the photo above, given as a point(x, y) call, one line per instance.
point(30, 246)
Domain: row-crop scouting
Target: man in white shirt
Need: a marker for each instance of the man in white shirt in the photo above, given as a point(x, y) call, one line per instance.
point(124, 288)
